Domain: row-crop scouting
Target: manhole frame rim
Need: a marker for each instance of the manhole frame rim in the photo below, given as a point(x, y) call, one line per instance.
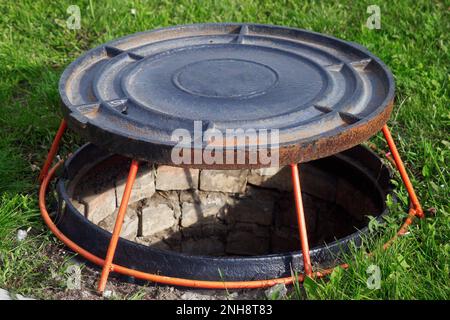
point(329, 252)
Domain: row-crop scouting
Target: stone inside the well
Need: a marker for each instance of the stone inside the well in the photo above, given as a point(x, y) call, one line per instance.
point(223, 212)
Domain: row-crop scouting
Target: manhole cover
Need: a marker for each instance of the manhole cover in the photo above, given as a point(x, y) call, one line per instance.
point(322, 94)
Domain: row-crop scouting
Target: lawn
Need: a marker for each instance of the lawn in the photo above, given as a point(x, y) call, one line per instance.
point(36, 46)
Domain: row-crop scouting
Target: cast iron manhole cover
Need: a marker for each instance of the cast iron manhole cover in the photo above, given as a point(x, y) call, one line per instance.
point(324, 95)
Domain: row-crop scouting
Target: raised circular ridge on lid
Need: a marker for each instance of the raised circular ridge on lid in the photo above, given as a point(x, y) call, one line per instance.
point(323, 94)
point(225, 78)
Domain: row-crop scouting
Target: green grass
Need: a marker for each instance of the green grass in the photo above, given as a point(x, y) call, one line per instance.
point(415, 267)
point(35, 46)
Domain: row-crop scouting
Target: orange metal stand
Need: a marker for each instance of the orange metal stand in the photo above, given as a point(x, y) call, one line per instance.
point(118, 226)
point(46, 176)
point(301, 219)
point(401, 168)
point(53, 149)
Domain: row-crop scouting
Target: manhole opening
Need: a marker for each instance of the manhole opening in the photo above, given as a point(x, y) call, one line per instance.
point(230, 212)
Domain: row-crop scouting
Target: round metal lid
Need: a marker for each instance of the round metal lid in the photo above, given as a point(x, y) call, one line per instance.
point(143, 94)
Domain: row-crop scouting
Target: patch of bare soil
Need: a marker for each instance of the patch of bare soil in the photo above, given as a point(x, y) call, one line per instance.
point(120, 287)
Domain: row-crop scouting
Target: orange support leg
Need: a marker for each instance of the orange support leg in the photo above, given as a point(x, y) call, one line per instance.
point(107, 267)
point(301, 220)
point(416, 207)
point(53, 149)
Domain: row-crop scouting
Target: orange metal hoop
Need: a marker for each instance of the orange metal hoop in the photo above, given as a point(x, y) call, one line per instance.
point(108, 265)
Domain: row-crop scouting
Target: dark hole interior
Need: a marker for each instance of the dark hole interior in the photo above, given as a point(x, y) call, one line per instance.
point(337, 199)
